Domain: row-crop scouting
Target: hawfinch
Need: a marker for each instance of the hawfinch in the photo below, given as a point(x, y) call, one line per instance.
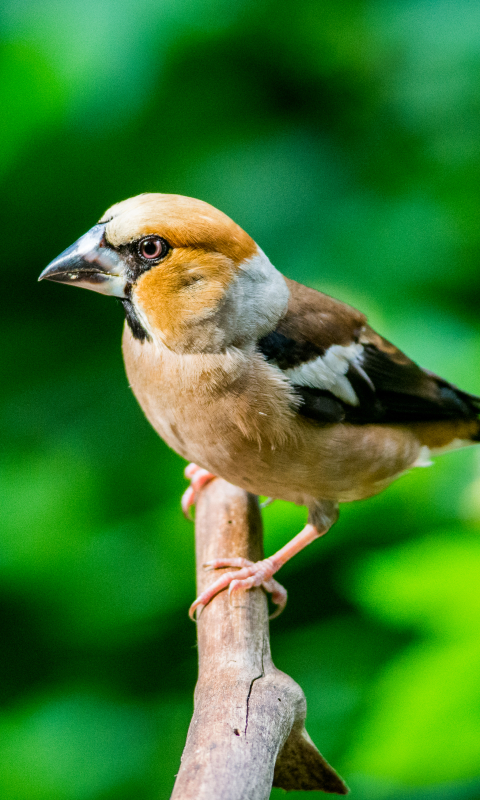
point(275, 387)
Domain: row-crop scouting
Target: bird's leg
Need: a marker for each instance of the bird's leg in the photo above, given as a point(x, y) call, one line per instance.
point(260, 573)
point(198, 478)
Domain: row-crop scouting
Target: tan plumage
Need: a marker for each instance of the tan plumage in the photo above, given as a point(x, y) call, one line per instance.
point(275, 387)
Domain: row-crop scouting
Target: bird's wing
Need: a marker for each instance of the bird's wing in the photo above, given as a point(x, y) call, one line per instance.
point(343, 371)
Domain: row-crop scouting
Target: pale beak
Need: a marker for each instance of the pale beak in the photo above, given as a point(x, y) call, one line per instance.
point(91, 263)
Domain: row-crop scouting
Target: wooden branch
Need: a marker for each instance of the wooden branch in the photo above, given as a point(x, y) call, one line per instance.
point(247, 729)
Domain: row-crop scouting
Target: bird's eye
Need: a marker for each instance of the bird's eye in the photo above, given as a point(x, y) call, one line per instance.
point(152, 247)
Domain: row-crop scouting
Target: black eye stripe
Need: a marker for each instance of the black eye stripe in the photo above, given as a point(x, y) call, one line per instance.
point(135, 264)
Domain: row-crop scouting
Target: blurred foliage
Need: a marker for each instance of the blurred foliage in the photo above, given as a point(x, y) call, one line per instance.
point(344, 138)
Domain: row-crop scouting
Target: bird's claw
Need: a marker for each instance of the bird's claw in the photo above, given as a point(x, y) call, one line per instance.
point(198, 478)
point(250, 574)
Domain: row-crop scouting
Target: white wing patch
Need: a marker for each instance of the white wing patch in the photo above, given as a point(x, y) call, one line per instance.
point(329, 372)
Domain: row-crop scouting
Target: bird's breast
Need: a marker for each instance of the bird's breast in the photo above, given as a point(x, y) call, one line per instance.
point(234, 415)
point(210, 407)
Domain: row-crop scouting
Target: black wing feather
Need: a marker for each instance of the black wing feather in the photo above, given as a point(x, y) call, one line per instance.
point(390, 387)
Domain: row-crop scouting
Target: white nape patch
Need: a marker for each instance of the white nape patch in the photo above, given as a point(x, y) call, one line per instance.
point(254, 301)
point(329, 372)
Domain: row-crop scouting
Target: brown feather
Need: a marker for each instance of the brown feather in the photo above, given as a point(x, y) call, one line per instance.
point(317, 318)
point(181, 221)
point(437, 435)
point(389, 386)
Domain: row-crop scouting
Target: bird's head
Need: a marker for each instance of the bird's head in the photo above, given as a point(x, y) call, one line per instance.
point(187, 275)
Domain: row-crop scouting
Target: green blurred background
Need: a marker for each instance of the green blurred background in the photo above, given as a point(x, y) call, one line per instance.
point(344, 136)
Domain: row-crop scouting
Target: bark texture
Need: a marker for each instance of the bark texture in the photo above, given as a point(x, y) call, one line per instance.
point(247, 730)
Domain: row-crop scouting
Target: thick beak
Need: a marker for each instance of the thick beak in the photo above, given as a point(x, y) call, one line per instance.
point(91, 263)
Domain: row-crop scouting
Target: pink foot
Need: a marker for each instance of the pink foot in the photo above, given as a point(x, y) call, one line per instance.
point(250, 574)
point(260, 573)
point(198, 479)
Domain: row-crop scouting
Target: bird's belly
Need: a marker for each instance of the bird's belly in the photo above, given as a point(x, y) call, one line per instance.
point(260, 444)
point(338, 462)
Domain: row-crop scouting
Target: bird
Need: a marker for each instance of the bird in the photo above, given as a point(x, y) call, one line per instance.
point(253, 377)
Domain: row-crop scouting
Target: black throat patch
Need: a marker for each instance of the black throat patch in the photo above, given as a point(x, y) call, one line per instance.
point(136, 327)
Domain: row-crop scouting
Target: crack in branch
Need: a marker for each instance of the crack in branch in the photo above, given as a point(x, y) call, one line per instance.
point(248, 698)
point(262, 675)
